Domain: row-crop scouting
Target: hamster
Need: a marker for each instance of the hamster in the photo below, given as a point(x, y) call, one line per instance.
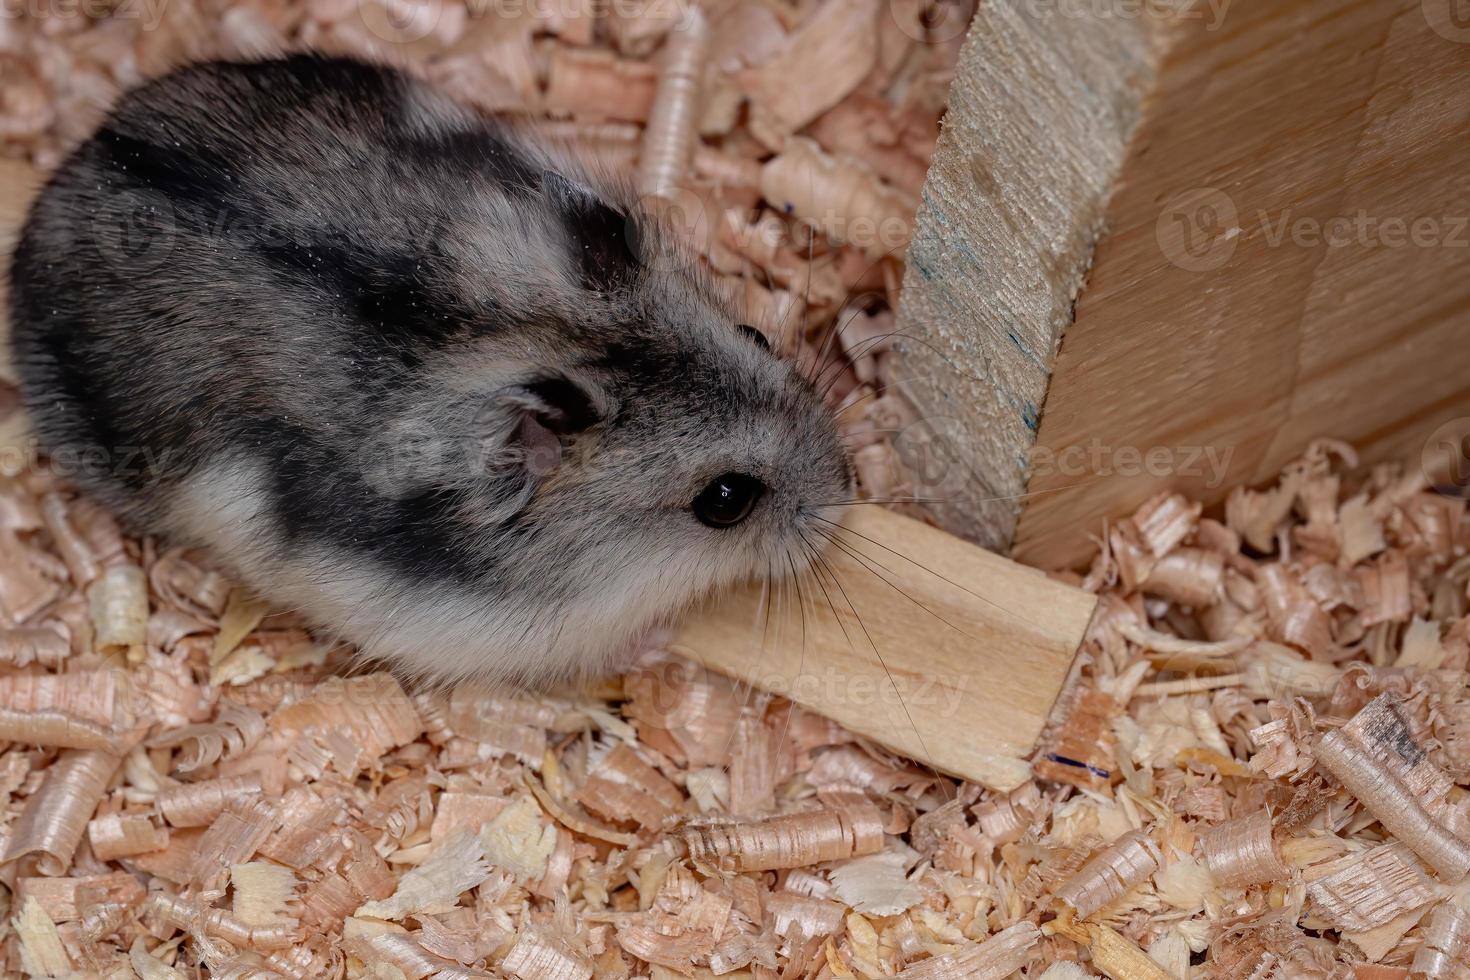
point(406, 370)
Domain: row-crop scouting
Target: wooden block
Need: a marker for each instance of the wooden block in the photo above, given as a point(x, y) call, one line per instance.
point(938, 649)
point(1039, 118)
point(1220, 330)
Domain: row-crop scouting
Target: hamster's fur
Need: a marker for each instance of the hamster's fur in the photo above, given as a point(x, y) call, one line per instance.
point(403, 369)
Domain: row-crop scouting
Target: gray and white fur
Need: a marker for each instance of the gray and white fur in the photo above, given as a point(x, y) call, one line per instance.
point(406, 370)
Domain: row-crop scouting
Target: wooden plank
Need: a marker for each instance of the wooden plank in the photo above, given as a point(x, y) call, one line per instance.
point(1220, 330)
point(932, 646)
point(1039, 118)
point(1217, 320)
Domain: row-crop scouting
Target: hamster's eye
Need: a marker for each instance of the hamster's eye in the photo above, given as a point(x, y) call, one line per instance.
point(727, 500)
point(761, 340)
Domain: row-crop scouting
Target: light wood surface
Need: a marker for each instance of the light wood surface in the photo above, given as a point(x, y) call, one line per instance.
point(932, 646)
point(1296, 114)
point(1039, 117)
point(1219, 330)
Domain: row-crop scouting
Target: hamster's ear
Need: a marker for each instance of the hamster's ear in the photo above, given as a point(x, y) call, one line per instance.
point(604, 241)
point(543, 409)
point(555, 402)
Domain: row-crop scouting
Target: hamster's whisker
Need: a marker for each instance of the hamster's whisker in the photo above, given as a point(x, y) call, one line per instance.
point(824, 349)
point(867, 563)
point(806, 290)
point(743, 688)
point(847, 297)
point(801, 662)
point(831, 360)
point(811, 251)
point(800, 606)
point(869, 501)
point(985, 599)
point(893, 682)
point(860, 349)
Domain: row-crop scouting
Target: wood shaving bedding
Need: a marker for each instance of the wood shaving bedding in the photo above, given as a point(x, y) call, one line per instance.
point(1173, 829)
point(1261, 771)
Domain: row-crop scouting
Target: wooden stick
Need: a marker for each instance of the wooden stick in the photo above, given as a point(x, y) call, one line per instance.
point(953, 656)
point(930, 645)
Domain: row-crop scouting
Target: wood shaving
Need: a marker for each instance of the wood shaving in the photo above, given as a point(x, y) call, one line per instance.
point(1370, 889)
point(1243, 852)
point(1109, 873)
point(1445, 947)
point(669, 137)
point(788, 841)
point(54, 818)
point(843, 198)
point(832, 53)
point(200, 804)
point(120, 835)
point(1389, 798)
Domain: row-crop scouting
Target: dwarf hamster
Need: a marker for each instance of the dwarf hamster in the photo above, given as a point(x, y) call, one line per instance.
point(407, 370)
